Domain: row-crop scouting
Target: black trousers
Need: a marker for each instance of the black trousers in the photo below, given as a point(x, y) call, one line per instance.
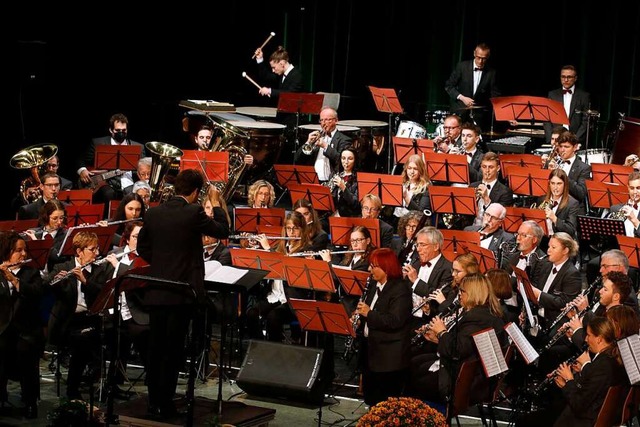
point(19, 359)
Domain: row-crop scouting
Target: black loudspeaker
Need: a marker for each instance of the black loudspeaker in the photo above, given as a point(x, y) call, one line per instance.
point(283, 371)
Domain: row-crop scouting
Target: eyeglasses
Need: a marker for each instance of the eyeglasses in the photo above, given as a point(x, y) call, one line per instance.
point(423, 245)
point(52, 185)
point(93, 249)
point(609, 265)
point(368, 209)
point(356, 241)
point(523, 235)
point(411, 226)
point(292, 229)
point(567, 77)
point(493, 218)
point(450, 127)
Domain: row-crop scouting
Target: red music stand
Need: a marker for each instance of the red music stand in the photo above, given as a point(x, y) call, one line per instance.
point(486, 258)
point(322, 316)
point(406, 147)
point(300, 103)
point(319, 195)
point(248, 219)
point(260, 260)
point(298, 174)
point(454, 238)
point(18, 225)
point(341, 227)
point(38, 251)
point(104, 300)
point(105, 237)
point(448, 168)
point(270, 231)
point(454, 200)
point(214, 164)
point(528, 181)
point(352, 281)
point(311, 274)
point(604, 195)
point(523, 279)
point(76, 197)
point(387, 187)
point(84, 214)
point(123, 157)
point(613, 174)
point(532, 108)
point(516, 216)
point(631, 248)
point(387, 101)
point(522, 160)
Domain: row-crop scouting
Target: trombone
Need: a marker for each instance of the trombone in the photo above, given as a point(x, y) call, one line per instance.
point(317, 253)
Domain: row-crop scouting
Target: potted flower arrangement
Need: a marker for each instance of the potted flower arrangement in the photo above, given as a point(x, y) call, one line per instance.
point(402, 411)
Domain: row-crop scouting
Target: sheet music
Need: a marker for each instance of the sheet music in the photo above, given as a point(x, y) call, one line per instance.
point(490, 352)
point(523, 345)
point(630, 353)
point(526, 303)
point(64, 241)
point(216, 272)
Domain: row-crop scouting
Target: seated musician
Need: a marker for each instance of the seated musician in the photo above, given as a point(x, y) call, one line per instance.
point(51, 225)
point(319, 238)
point(371, 206)
point(528, 253)
point(130, 208)
point(213, 248)
point(202, 142)
point(76, 285)
point(261, 194)
point(561, 209)
point(553, 141)
point(490, 190)
point(452, 137)
point(415, 187)
point(577, 170)
point(142, 189)
point(470, 136)
point(492, 235)
point(49, 188)
point(344, 185)
point(360, 241)
point(21, 333)
point(407, 227)
point(142, 173)
point(432, 271)
point(501, 285)
point(480, 309)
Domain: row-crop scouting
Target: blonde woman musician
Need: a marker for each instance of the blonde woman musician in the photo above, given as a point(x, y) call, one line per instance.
point(415, 187)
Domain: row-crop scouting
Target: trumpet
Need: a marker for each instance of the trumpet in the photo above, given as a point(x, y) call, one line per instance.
point(317, 253)
point(307, 147)
point(255, 237)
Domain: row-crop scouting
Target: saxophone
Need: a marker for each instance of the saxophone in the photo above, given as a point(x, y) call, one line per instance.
point(350, 342)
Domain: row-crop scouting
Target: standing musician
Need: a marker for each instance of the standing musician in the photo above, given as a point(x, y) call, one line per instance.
point(319, 239)
point(415, 187)
point(284, 77)
point(325, 146)
point(384, 317)
point(171, 242)
point(480, 309)
point(76, 284)
point(21, 333)
point(560, 208)
point(344, 186)
point(434, 270)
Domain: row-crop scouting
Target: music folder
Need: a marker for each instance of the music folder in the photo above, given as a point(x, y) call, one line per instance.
point(84, 214)
point(527, 181)
point(309, 274)
point(387, 187)
point(341, 227)
point(352, 281)
point(524, 347)
point(490, 352)
point(297, 174)
point(606, 194)
point(248, 219)
point(631, 248)
point(38, 251)
point(319, 195)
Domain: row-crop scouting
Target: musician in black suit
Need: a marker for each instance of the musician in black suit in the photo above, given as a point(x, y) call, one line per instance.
point(576, 103)
point(279, 74)
point(344, 185)
point(492, 235)
point(560, 208)
point(527, 256)
point(385, 319)
point(171, 242)
point(76, 284)
point(370, 207)
point(490, 189)
point(326, 146)
point(318, 237)
point(50, 187)
point(432, 270)
point(473, 83)
point(21, 333)
point(470, 139)
point(118, 130)
point(577, 170)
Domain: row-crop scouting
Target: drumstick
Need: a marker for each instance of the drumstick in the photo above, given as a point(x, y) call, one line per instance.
point(251, 80)
point(265, 42)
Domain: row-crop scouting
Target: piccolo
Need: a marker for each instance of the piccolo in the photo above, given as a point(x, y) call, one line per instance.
point(255, 237)
point(97, 261)
point(19, 263)
point(317, 253)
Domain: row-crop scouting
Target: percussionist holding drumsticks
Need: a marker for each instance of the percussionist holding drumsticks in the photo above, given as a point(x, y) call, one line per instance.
point(284, 77)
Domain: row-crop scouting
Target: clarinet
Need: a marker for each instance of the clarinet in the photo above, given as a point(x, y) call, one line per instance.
point(449, 317)
point(571, 305)
point(350, 342)
point(550, 379)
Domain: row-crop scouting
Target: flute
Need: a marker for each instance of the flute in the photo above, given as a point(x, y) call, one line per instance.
point(255, 237)
point(317, 253)
point(19, 263)
point(97, 261)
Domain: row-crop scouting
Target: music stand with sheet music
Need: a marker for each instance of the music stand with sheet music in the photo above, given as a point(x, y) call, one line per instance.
point(18, 225)
point(340, 229)
point(610, 173)
point(589, 226)
point(81, 197)
point(248, 219)
point(259, 260)
point(516, 216)
point(449, 168)
point(386, 101)
point(604, 195)
point(486, 258)
point(299, 103)
point(532, 108)
point(522, 160)
point(214, 164)
point(84, 214)
point(526, 181)
point(298, 174)
point(319, 195)
point(631, 248)
point(311, 274)
point(105, 237)
point(406, 147)
point(353, 282)
point(454, 238)
point(38, 251)
point(112, 157)
point(387, 187)
point(453, 200)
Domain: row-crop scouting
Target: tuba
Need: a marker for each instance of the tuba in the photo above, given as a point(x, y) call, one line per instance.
point(33, 158)
point(237, 167)
point(162, 156)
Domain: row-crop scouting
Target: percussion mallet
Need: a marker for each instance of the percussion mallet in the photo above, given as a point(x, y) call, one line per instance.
point(265, 43)
point(251, 80)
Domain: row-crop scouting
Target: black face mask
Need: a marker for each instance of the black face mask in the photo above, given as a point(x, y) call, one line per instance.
point(119, 136)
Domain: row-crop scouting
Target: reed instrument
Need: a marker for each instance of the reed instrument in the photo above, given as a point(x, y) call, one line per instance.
point(596, 283)
point(350, 342)
point(427, 299)
point(551, 378)
point(450, 317)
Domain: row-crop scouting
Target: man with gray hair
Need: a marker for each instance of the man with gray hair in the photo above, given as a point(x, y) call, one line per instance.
point(143, 173)
point(492, 236)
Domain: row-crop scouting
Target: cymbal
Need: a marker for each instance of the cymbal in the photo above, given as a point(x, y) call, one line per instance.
point(633, 98)
point(493, 133)
point(471, 107)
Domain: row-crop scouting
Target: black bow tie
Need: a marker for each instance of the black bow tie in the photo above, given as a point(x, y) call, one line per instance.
point(555, 270)
point(477, 69)
point(567, 162)
point(428, 264)
point(469, 154)
point(635, 206)
point(523, 256)
point(485, 236)
point(488, 186)
point(564, 91)
point(554, 204)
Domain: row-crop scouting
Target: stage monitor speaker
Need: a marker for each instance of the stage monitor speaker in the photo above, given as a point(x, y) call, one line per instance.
point(282, 371)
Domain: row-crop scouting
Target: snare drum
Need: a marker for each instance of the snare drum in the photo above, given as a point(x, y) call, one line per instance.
point(596, 155)
point(408, 129)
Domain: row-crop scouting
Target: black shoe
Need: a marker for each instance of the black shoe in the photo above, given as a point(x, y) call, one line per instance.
point(31, 412)
point(162, 412)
